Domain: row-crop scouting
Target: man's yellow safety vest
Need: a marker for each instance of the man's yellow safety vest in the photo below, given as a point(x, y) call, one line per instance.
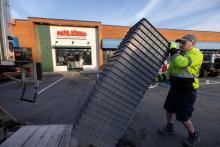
point(184, 68)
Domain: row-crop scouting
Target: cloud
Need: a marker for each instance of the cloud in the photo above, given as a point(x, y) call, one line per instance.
point(30, 7)
point(15, 14)
point(147, 9)
point(206, 21)
point(210, 24)
point(176, 14)
point(178, 9)
point(33, 8)
point(185, 14)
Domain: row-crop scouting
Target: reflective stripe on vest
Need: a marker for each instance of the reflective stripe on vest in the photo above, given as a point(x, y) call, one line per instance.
point(185, 74)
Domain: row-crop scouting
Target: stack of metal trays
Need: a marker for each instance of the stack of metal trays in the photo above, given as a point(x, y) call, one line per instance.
point(110, 105)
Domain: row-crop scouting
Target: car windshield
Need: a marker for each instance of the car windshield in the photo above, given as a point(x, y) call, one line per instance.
point(207, 57)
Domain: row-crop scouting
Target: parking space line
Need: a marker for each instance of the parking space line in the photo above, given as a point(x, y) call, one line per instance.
point(209, 80)
point(208, 83)
point(39, 92)
point(8, 83)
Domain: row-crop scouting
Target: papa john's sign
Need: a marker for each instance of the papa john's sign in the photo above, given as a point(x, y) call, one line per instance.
point(71, 34)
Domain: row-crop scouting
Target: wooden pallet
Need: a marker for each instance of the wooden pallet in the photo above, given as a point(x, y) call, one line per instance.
point(42, 136)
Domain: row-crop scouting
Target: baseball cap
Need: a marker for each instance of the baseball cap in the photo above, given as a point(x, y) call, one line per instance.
point(187, 37)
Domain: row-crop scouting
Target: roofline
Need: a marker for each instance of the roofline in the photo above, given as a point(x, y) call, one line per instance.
point(166, 29)
point(112, 25)
point(61, 19)
point(116, 25)
point(188, 30)
point(20, 19)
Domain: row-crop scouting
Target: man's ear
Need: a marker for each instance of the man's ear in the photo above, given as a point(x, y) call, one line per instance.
point(193, 43)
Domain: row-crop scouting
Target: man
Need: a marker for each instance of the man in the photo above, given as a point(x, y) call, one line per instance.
point(183, 74)
point(81, 62)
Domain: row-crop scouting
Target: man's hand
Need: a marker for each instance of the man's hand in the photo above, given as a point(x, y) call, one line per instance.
point(172, 48)
point(159, 77)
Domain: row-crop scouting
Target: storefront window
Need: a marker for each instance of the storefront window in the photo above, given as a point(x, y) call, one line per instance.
point(61, 57)
point(107, 54)
point(71, 57)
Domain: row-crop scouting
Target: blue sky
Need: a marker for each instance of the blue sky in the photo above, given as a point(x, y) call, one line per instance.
point(174, 14)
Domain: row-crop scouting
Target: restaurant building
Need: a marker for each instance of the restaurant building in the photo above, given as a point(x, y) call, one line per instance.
point(69, 45)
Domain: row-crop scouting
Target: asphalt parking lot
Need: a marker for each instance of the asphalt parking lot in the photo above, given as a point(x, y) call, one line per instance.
point(62, 94)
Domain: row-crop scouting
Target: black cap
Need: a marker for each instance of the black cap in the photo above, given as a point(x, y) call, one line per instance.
point(187, 37)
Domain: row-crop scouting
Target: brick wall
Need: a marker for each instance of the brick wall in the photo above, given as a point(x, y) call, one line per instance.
point(172, 34)
point(22, 30)
point(110, 31)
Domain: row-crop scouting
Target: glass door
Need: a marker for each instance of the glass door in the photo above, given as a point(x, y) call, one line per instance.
point(73, 59)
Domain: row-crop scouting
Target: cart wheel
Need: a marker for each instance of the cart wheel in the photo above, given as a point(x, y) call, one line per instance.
point(125, 143)
point(129, 139)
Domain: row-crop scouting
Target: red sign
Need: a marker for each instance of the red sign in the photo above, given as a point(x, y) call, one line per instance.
point(71, 33)
point(17, 54)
